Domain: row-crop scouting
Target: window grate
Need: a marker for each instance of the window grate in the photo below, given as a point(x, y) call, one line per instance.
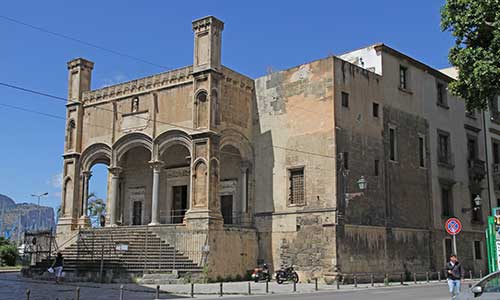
point(296, 196)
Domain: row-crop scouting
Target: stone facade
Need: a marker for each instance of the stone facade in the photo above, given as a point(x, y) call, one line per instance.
point(267, 170)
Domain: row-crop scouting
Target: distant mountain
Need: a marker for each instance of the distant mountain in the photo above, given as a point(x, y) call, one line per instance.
point(6, 202)
point(15, 219)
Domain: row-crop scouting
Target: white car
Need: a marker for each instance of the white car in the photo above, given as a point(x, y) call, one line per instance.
point(488, 288)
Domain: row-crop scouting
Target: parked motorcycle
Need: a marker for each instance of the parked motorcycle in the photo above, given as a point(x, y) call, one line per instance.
point(261, 273)
point(286, 274)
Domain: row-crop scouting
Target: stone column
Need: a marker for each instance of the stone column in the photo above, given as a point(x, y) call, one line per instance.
point(156, 166)
point(85, 180)
point(114, 194)
point(244, 169)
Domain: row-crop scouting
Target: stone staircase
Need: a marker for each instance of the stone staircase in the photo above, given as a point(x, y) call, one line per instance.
point(122, 250)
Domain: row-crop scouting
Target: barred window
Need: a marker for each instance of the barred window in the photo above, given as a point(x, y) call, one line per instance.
point(296, 186)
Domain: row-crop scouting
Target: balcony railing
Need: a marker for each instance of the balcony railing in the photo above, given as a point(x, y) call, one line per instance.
point(477, 169)
point(495, 170)
point(446, 159)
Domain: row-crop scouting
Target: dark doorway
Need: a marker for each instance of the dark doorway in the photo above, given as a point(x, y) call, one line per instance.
point(179, 204)
point(226, 205)
point(137, 213)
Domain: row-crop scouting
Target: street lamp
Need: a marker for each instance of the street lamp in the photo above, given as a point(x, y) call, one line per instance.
point(477, 205)
point(39, 214)
point(361, 182)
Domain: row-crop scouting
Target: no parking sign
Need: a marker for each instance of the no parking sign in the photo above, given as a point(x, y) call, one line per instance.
point(453, 226)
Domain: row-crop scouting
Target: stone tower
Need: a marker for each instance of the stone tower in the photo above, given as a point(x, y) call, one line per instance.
point(79, 78)
point(207, 75)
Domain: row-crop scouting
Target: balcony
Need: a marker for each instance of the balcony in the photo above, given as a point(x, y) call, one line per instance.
point(445, 160)
point(495, 116)
point(477, 169)
point(496, 176)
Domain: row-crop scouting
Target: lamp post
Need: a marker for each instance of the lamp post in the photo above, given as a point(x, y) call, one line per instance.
point(476, 206)
point(361, 182)
point(38, 203)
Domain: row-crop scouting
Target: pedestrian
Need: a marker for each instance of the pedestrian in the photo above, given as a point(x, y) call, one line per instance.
point(57, 266)
point(455, 274)
point(102, 220)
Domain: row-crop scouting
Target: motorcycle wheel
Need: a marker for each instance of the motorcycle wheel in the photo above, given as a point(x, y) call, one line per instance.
point(295, 277)
point(279, 280)
point(256, 279)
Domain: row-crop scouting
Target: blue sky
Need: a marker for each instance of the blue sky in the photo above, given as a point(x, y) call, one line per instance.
point(258, 35)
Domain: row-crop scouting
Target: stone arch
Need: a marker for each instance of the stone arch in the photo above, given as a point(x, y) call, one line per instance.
point(239, 141)
point(70, 134)
point(94, 154)
point(129, 141)
point(172, 137)
point(68, 190)
point(200, 182)
point(202, 109)
point(216, 117)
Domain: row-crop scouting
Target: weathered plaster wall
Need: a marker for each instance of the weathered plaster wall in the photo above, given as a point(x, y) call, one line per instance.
point(295, 128)
point(233, 251)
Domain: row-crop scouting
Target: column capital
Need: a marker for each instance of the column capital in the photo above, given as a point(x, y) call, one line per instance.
point(86, 174)
point(115, 170)
point(156, 164)
point(245, 165)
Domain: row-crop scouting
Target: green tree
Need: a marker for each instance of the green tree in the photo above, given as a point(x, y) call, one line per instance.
point(8, 253)
point(96, 209)
point(475, 25)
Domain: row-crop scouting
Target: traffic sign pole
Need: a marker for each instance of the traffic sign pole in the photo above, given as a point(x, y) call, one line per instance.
point(453, 226)
point(455, 244)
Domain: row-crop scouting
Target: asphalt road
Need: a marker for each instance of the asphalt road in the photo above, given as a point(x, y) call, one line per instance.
point(422, 292)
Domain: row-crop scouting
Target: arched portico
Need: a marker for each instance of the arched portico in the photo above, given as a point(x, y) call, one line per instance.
point(98, 153)
point(235, 189)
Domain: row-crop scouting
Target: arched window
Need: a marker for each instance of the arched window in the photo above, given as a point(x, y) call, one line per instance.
point(216, 107)
point(71, 134)
point(202, 96)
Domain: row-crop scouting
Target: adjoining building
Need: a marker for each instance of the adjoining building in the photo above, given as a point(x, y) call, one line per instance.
point(267, 170)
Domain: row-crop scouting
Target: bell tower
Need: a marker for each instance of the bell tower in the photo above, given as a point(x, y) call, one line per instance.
point(207, 44)
point(207, 75)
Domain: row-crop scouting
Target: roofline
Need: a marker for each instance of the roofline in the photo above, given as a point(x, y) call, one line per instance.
point(418, 64)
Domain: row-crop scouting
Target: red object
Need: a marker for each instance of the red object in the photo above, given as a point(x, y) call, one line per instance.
point(453, 226)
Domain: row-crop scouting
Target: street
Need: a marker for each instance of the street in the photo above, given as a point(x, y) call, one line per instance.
point(13, 287)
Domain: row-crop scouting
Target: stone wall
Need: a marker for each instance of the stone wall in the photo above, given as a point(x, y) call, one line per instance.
point(232, 252)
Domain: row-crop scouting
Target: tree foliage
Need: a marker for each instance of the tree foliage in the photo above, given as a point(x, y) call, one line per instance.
point(8, 253)
point(97, 208)
point(475, 24)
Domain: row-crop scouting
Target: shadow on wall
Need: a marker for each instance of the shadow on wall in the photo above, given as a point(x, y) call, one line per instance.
point(263, 198)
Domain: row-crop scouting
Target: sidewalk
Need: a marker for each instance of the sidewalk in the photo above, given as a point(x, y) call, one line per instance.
point(14, 287)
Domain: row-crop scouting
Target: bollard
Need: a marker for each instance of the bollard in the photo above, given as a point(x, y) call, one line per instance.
point(427, 277)
point(28, 292)
point(415, 278)
point(192, 290)
point(267, 286)
point(439, 276)
point(249, 288)
point(480, 274)
point(401, 279)
point(470, 274)
point(294, 286)
point(221, 292)
point(316, 284)
point(355, 281)
point(77, 295)
point(372, 281)
point(121, 292)
point(157, 292)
